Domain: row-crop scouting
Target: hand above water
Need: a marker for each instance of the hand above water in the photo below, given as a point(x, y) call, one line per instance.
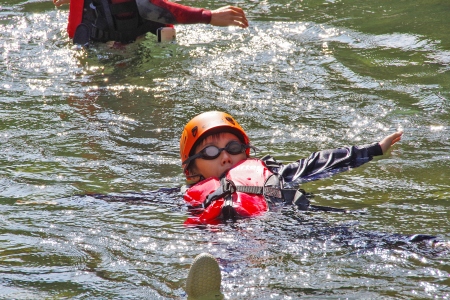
point(390, 140)
point(228, 16)
point(60, 2)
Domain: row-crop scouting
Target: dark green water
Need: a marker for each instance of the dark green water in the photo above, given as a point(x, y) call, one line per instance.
point(306, 75)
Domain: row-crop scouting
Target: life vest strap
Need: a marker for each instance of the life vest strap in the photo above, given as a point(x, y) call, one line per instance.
point(250, 189)
point(227, 187)
point(107, 14)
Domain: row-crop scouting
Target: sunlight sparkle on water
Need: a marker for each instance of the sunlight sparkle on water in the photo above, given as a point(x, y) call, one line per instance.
point(329, 32)
point(306, 86)
point(436, 128)
point(428, 287)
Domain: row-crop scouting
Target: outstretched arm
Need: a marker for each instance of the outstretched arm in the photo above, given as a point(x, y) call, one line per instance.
point(328, 162)
point(168, 12)
point(173, 13)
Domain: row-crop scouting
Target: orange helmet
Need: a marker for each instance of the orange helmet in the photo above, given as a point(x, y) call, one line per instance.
point(204, 125)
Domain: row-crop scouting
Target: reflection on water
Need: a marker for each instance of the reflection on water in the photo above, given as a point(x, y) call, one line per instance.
point(78, 124)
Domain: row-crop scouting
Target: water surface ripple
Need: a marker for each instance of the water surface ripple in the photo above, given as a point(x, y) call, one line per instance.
point(87, 138)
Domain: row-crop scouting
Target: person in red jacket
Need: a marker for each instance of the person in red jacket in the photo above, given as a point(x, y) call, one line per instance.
point(125, 20)
point(226, 183)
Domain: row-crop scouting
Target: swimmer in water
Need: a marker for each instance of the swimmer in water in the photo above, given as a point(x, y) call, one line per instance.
point(125, 20)
point(227, 183)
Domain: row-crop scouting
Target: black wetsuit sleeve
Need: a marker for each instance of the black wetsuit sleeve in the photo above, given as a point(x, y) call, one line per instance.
point(324, 163)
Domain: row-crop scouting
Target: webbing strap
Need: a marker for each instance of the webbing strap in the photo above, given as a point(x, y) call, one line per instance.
point(297, 197)
point(108, 15)
point(226, 188)
point(260, 190)
point(250, 189)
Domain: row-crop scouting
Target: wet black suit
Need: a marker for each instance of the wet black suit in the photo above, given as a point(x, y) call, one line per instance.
point(324, 163)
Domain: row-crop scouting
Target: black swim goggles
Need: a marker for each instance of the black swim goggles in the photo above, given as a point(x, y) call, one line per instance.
point(212, 152)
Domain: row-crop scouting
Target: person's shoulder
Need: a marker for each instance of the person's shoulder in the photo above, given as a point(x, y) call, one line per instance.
point(270, 161)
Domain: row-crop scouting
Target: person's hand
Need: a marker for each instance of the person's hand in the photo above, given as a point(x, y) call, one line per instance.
point(390, 140)
point(60, 2)
point(227, 16)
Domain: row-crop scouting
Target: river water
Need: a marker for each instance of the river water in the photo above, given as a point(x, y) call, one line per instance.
point(305, 76)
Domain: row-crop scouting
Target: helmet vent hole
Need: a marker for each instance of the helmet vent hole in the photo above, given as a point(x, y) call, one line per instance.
point(229, 119)
point(194, 131)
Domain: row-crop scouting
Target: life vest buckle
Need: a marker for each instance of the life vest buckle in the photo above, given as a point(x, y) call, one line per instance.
point(94, 8)
point(227, 187)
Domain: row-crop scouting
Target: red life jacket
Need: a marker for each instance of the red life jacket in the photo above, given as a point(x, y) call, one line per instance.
point(244, 191)
point(75, 16)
